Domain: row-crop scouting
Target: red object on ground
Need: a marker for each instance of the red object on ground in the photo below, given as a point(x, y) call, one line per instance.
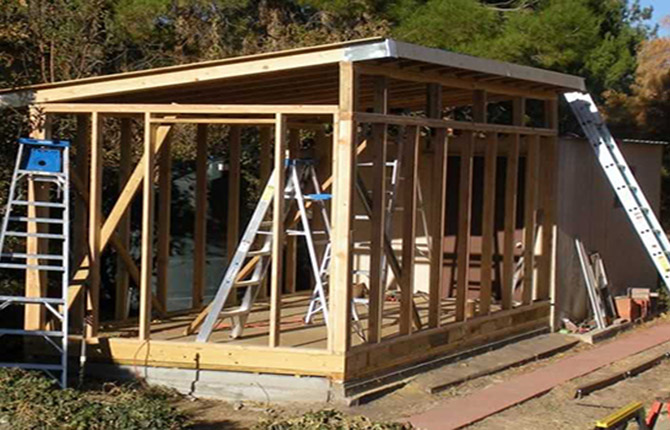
point(627, 308)
point(655, 412)
point(463, 411)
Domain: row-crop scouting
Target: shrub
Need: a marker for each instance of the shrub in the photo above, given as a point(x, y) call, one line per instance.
point(326, 420)
point(32, 401)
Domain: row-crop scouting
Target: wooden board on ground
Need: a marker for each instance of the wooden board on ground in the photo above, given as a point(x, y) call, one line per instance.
point(515, 354)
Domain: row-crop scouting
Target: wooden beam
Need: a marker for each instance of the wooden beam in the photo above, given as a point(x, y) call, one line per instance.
point(95, 221)
point(519, 111)
point(465, 83)
point(200, 234)
point(410, 176)
point(234, 184)
point(464, 224)
point(549, 160)
point(80, 220)
point(438, 215)
point(291, 255)
point(408, 121)
point(176, 109)
point(344, 142)
point(439, 144)
point(479, 105)
point(277, 232)
point(511, 184)
point(488, 222)
point(164, 208)
point(265, 137)
point(123, 230)
point(530, 218)
point(36, 281)
point(147, 229)
point(378, 219)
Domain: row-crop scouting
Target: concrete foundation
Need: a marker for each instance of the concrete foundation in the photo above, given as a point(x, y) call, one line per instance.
point(226, 385)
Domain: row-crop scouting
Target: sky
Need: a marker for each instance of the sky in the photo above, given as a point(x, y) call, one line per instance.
point(661, 9)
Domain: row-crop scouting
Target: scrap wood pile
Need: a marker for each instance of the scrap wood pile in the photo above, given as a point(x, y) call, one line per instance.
point(606, 310)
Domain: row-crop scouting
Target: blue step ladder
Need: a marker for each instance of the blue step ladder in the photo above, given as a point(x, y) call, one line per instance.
point(40, 164)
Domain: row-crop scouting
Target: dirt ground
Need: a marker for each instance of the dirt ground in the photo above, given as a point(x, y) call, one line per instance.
point(558, 409)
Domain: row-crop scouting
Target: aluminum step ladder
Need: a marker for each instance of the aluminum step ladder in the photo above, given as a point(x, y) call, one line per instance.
point(255, 247)
point(394, 179)
point(40, 163)
point(623, 182)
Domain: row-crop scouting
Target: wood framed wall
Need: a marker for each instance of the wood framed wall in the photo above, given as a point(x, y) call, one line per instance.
point(497, 313)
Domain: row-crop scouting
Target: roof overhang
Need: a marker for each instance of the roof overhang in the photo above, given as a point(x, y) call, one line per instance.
point(366, 50)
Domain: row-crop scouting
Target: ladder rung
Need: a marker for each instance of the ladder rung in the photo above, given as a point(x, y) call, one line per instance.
point(249, 283)
point(38, 204)
point(234, 313)
point(260, 252)
point(20, 332)
point(33, 300)
point(37, 220)
point(41, 173)
point(36, 235)
point(31, 267)
point(26, 256)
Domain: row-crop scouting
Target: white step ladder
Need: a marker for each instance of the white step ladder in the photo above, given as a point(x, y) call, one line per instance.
point(40, 163)
point(623, 182)
point(259, 258)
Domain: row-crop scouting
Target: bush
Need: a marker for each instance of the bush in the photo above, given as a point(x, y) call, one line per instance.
point(326, 420)
point(33, 401)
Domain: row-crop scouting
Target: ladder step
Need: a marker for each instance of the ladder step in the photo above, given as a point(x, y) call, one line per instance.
point(259, 253)
point(249, 283)
point(41, 173)
point(36, 235)
point(234, 313)
point(20, 332)
point(26, 256)
point(37, 220)
point(32, 267)
point(318, 197)
point(33, 300)
point(40, 204)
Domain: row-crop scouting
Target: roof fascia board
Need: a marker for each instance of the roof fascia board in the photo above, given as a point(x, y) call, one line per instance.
point(450, 59)
point(122, 84)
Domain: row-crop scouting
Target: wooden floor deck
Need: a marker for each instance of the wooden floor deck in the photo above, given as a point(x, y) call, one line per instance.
point(294, 332)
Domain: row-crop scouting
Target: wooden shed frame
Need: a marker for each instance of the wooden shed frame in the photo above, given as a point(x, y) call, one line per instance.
point(355, 86)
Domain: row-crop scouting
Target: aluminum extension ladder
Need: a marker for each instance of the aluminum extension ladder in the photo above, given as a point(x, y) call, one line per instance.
point(40, 163)
point(623, 182)
point(258, 236)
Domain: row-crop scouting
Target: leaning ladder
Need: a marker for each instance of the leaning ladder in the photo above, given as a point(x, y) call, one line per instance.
point(40, 163)
point(623, 182)
point(259, 258)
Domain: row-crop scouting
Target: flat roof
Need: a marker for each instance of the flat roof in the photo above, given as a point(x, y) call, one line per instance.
point(373, 50)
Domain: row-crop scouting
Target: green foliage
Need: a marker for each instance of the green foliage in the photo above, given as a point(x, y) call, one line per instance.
point(326, 420)
point(30, 401)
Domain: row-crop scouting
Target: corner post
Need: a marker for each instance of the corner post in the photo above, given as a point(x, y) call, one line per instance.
point(339, 336)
